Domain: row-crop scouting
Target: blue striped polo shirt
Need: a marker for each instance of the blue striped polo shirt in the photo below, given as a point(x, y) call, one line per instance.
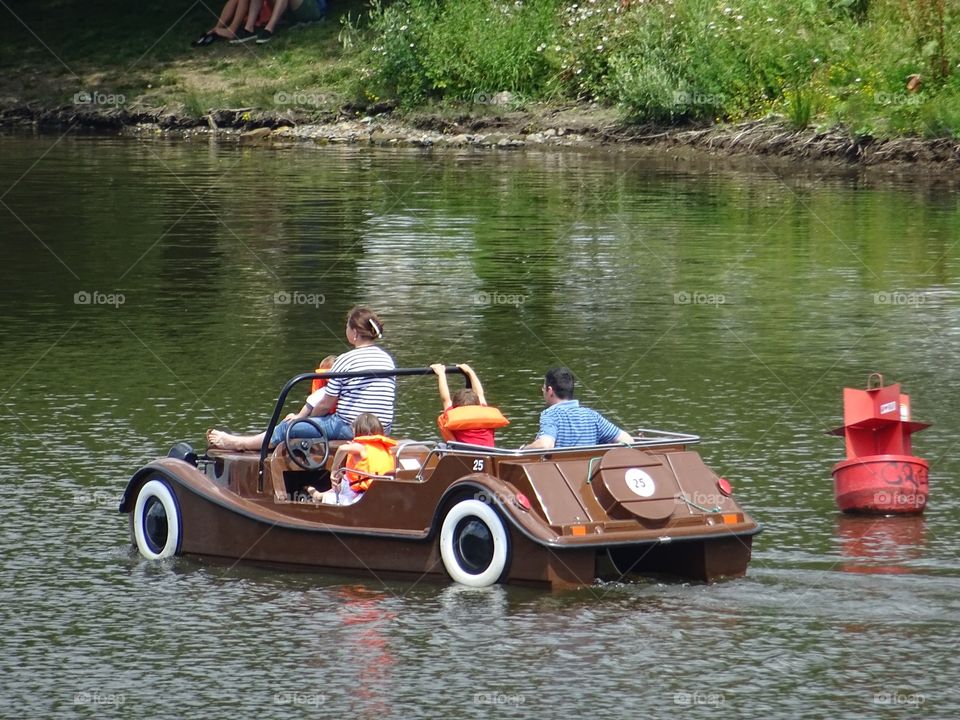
point(569, 424)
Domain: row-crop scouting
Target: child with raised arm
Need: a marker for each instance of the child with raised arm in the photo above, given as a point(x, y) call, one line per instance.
point(466, 417)
point(370, 453)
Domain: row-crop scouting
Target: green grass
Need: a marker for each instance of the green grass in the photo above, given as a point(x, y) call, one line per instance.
point(816, 63)
point(50, 51)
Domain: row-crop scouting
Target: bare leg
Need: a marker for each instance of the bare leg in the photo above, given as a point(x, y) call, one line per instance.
point(226, 15)
point(278, 9)
point(226, 441)
point(239, 15)
point(252, 14)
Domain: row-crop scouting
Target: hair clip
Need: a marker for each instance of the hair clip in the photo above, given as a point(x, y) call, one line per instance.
point(376, 328)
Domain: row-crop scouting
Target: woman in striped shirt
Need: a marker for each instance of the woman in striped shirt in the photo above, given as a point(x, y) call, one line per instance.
point(351, 397)
point(343, 399)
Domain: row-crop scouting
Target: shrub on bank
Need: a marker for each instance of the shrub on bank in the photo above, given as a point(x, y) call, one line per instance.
point(880, 66)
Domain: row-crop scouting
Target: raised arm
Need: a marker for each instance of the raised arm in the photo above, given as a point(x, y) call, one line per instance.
point(441, 373)
point(474, 382)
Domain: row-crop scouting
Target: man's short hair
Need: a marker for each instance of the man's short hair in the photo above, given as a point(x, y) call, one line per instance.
point(561, 380)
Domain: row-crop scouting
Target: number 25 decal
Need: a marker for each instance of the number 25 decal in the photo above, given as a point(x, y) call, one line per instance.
point(478, 465)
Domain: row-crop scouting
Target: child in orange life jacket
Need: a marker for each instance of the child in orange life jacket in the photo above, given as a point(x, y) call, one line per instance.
point(316, 386)
point(370, 453)
point(466, 416)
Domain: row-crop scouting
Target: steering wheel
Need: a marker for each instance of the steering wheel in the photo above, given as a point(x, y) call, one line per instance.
point(305, 451)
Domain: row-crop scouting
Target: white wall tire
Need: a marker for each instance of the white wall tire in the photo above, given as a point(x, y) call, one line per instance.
point(156, 521)
point(474, 544)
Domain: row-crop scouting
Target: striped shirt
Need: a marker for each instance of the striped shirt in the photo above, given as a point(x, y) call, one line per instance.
point(569, 424)
point(359, 395)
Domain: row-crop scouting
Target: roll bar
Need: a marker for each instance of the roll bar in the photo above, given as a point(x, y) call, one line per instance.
point(281, 401)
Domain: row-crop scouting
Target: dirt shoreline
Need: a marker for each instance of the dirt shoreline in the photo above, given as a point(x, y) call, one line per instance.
point(573, 127)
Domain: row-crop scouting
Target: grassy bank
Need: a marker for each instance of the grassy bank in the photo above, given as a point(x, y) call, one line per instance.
point(881, 67)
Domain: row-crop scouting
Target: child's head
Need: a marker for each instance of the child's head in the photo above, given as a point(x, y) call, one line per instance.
point(326, 363)
point(464, 396)
point(367, 424)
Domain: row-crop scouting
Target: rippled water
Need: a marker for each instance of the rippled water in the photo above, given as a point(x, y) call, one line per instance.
point(731, 303)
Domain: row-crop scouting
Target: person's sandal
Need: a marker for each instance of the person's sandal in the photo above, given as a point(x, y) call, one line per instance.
point(205, 39)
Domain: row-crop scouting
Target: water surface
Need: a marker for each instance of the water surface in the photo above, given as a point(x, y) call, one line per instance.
point(151, 290)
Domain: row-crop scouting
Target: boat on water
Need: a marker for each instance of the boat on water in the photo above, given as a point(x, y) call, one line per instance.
point(476, 515)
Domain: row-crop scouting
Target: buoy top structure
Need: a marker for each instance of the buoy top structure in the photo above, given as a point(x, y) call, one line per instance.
point(881, 474)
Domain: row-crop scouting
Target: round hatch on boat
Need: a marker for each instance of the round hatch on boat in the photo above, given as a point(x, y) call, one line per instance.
point(634, 484)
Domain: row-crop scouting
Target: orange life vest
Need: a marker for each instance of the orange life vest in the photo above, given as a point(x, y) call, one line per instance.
point(319, 382)
point(470, 417)
point(379, 460)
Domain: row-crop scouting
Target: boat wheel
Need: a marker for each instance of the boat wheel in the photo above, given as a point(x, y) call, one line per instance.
point(474, 544)
point(309, 453)
point(156, 521)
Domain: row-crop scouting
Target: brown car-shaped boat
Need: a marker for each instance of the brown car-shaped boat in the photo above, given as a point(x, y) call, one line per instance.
point(476, 515)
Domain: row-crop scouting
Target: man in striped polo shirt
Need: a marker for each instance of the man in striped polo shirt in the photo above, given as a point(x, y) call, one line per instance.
point(565, 423)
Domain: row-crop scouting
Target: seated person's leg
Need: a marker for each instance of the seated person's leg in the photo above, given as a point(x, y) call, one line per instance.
point(236, 21)
point(333, 426)
point(278, 9)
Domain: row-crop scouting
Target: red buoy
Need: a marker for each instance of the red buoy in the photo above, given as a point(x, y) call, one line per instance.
point(880, 475)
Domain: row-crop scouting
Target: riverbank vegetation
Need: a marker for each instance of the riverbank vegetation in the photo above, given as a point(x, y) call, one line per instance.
point(885, 68)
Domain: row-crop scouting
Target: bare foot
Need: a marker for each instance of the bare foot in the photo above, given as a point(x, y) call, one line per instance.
point(224, 440)
point(314, 493)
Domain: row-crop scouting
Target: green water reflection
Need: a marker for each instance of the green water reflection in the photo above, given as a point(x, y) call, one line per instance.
point(731, 303)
